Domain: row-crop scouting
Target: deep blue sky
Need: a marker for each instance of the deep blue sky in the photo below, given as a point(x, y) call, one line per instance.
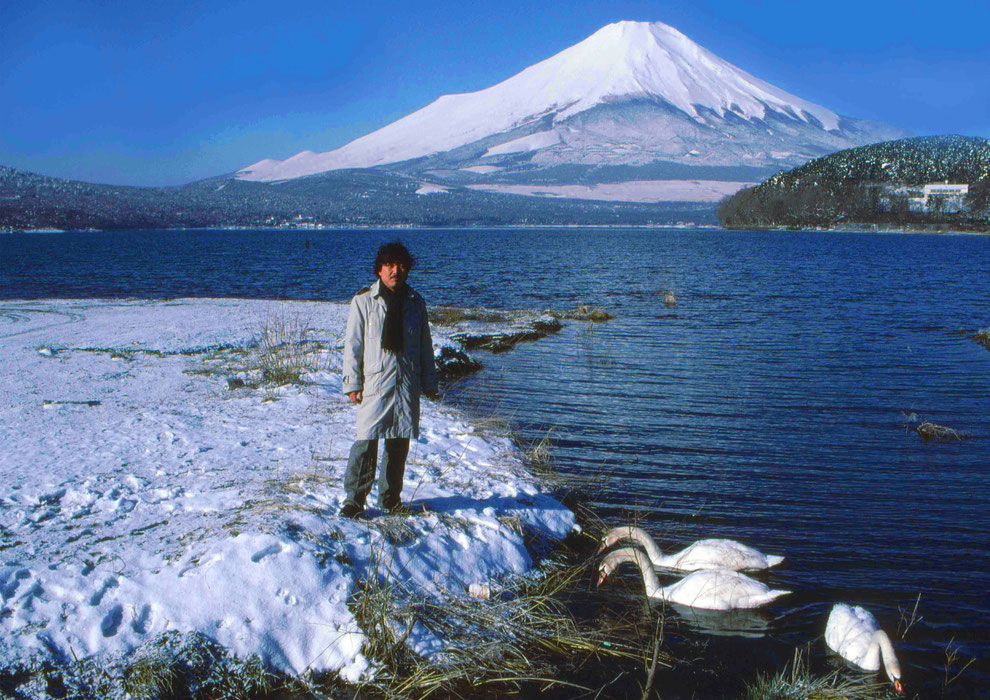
point(135, 92)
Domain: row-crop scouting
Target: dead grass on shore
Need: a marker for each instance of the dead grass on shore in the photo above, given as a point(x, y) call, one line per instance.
point(797, 682)
point(516, 638)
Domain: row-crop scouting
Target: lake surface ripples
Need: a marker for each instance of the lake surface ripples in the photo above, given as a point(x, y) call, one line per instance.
point(772, 404)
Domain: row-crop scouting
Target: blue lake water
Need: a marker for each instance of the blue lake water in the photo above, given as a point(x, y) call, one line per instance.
point(772, 404)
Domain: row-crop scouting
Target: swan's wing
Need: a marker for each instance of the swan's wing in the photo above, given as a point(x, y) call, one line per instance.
point(720, 589)
point(726, 554)
point(849, 632)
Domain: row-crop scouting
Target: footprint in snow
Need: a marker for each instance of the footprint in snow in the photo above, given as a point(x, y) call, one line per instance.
point(272, 549)
point(9, 586)
point(144, 620)
point(111, 622)
point(97, 597)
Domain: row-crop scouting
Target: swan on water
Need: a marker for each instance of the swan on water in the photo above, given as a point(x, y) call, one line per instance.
point(854, 634)
point(712, 589)
point(703, 554)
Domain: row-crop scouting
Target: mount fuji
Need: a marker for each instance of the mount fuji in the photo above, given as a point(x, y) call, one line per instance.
point(635, 108)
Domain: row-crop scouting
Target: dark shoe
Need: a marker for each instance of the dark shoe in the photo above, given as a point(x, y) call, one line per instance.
point(396, 508)
point(351, 510)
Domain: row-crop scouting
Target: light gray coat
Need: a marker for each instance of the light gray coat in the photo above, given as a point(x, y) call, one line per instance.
point(391, 383)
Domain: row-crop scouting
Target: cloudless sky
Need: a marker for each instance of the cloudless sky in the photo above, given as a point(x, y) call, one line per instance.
point(167, 92)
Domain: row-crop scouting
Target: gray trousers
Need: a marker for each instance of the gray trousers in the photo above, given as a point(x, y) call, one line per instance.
point(360, 474)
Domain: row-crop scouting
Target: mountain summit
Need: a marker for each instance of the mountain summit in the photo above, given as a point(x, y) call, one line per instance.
point(632, 94)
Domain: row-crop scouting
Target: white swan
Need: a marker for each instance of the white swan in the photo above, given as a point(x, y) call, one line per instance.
point(712, 589)
point(854, 634)
point(703, 554)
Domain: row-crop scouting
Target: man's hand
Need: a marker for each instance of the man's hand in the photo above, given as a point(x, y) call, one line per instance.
point(356, 396)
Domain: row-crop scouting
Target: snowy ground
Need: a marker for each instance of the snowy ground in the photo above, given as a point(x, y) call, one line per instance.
point(643, 191)
point(153, 482)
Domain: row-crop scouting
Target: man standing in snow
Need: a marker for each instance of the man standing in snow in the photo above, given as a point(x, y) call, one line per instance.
point(388, 363)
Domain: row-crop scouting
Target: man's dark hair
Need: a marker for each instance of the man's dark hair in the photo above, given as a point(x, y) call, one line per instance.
point(393, 252)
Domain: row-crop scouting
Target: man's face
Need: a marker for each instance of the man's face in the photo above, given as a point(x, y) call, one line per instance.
point(393, 275)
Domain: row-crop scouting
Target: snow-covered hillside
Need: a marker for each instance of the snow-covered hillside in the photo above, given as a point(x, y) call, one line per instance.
point(632, 93)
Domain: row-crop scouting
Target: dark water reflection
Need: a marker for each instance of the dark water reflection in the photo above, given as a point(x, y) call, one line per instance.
point(770, 405)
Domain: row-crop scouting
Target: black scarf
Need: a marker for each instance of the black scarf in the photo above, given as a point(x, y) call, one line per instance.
point(392, 335)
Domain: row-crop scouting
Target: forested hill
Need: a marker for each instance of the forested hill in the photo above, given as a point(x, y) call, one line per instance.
point(877, 184)
point(337, 199)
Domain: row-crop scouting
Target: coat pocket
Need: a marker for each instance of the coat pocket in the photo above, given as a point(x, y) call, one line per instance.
point(373, 381)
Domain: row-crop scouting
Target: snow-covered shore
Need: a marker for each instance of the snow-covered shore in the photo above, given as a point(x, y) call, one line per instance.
point(153, 482)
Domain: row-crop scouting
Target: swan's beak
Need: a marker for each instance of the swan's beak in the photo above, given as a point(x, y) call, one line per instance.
point(899, 687)
point(602, 575)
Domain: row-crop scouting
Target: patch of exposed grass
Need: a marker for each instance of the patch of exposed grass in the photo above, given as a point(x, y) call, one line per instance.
point(171, 666)
point(797, 682)
point(285, 348)
point(539, 455)
point(516, 638)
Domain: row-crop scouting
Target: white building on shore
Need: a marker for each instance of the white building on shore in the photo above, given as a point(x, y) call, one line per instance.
point(939, 196)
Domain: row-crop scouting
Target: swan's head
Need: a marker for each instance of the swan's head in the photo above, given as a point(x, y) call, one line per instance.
point(893, 669)
point(618, 534)
point(614, 559)
point(605, 569)
point(890, 663)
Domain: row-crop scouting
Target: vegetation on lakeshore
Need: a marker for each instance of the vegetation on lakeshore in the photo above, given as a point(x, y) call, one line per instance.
point(797, 682)
point(872, 186)
point(343, 198)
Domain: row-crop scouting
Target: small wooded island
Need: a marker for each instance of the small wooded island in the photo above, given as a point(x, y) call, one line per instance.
point(927, 183)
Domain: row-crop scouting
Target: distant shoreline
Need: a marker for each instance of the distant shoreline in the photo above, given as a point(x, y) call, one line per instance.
point(921, 229)
point(858, 228)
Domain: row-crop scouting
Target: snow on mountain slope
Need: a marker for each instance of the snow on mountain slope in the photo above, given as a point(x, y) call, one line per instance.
point(625, 62)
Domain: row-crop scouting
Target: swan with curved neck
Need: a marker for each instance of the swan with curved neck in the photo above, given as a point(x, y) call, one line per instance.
point(854, 634)
point(703, 554)
point(712, 589)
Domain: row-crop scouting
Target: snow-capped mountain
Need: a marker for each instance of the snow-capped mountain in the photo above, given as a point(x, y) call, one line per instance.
point(632, 94)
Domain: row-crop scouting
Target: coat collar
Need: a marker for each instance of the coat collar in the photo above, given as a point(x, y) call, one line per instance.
point(376, 289)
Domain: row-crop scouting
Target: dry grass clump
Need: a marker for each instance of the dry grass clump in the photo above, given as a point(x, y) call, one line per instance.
point(512, 640)
point(150, 677)
point(540, 453)
point(285, 350)
point(796, 682)
point(930, 432)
